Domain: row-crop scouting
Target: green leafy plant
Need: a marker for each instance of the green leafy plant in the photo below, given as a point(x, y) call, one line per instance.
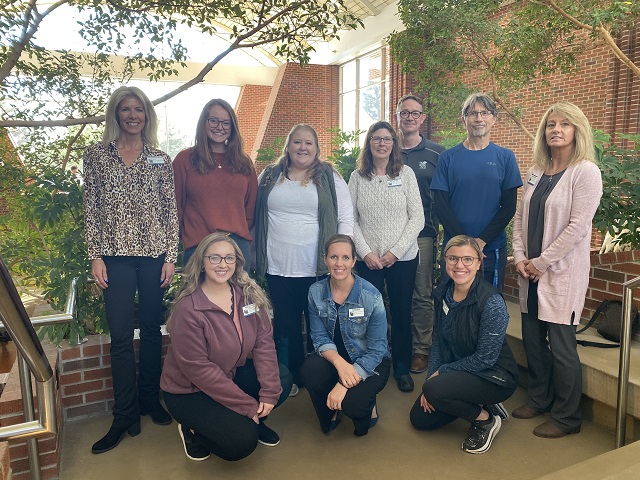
point(270, 153)
point(345, 150)
point(619, 210)
point(42, 243)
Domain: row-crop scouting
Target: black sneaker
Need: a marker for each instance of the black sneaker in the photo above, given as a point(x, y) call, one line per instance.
point(481, 434)
point(266, 436)
point(192, 448)
point(498, 410)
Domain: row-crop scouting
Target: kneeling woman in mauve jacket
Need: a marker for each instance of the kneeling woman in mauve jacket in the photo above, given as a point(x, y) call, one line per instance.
point(221, 378)
point(471, 367)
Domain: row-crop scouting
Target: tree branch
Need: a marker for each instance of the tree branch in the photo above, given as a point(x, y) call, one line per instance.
point(600, 29)
point(27, 33)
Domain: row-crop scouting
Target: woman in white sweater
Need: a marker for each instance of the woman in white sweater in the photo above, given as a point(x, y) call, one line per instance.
point(388, 217)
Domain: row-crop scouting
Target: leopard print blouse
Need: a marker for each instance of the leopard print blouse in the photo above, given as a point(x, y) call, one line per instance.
point(129, 211)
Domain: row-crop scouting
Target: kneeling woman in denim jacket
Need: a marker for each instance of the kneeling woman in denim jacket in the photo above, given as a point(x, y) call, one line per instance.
point(352, 362)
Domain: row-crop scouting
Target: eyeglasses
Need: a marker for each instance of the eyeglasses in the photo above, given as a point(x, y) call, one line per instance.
point(406, 114)
point(483, 114)
point(214, 122)
point(217, 259)
point(466, 261)
point(382, 139)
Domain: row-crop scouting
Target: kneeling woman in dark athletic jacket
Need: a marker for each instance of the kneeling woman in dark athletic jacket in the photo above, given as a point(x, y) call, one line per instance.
point(471, 367)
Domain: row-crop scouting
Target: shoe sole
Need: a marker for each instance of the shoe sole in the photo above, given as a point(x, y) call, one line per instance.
point(267, 444)
point(419, 371)
point(295, 392)
point(498, 410)
point(184, 445)
point(492, 434)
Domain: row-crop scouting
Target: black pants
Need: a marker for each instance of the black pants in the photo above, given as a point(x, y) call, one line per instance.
point(289, 296)
point(456, 395)
point(555, 371)
point(220, 430)
point(320, 376)
point(400, 280)
point(126, 276)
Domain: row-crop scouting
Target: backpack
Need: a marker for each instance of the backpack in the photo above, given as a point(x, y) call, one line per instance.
point(610, 326)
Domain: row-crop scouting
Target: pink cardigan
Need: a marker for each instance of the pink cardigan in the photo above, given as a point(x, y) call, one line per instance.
point(564, 262)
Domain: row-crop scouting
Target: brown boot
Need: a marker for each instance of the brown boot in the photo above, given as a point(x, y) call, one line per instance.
point(525, 411)
point(549, 429)
point(419, 363)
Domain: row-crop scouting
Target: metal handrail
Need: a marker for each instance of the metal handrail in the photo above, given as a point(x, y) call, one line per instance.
point(625, 355)
point(31, 360)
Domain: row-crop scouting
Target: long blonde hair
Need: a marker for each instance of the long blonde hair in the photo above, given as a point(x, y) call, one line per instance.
point(193, 276)
point(583, 136)
point(111, 124)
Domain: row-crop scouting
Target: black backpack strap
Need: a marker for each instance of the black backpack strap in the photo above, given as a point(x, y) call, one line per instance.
point(595, 316)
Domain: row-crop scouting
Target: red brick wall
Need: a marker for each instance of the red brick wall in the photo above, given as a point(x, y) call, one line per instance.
point(8, 154)
point(608, 273)
point(605, 90)
point(85, 377)
point(250, 109)
point(306, 94)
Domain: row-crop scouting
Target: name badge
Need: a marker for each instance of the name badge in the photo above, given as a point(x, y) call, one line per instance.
point(532, 179)
point(356, 312)
point(396, 182)
point(155, 160)
point(249, 310)
point(445, 308)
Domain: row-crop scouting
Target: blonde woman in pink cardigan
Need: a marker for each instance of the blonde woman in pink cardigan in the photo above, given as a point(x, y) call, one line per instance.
point(551, 243)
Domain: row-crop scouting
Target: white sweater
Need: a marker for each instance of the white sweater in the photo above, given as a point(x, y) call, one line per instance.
point(388, 214)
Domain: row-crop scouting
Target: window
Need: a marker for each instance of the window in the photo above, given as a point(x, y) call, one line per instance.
point(364, 91)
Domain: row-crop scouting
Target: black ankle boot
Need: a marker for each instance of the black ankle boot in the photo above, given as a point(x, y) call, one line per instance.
point(113, 437)
point(157, 412)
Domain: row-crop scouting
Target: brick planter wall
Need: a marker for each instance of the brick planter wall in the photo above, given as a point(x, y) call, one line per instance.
point(608, 272)
point(85, 377)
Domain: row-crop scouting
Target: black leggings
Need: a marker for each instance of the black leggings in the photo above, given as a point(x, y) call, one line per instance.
point(320, 376)
point(220, 430)
point(456, 395)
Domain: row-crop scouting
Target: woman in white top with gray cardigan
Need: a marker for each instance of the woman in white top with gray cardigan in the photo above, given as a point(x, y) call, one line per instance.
point(302, 201)
point(388, 217)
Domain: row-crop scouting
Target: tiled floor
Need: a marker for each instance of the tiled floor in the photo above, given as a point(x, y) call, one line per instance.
point(392, 450)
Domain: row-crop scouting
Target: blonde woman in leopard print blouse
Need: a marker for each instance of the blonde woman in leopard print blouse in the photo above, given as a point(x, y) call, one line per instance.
point(131, 227)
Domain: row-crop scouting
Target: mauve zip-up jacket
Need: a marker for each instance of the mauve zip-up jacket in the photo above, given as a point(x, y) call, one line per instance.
point(206, 350)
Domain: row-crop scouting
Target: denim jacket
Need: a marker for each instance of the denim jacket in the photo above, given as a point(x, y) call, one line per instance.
point(363, 324)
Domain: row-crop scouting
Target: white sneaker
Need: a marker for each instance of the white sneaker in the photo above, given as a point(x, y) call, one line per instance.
point(294, 390)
